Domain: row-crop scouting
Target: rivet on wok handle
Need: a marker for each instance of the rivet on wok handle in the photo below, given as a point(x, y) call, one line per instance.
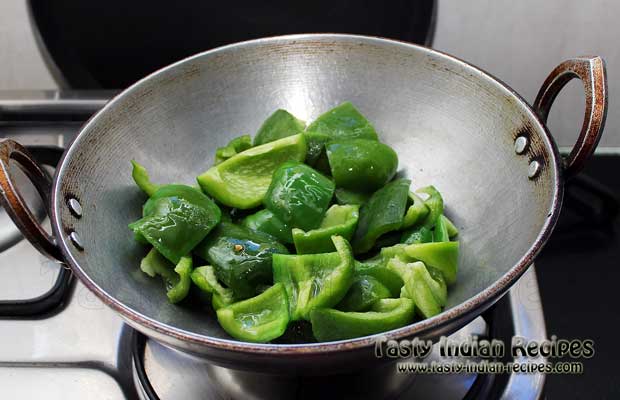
point(521, 144)
point(75, 239)
point(75, 207)
point(13, 202)
point(591, 71)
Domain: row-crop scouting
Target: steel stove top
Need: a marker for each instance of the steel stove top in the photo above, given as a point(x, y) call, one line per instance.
point(58, 341)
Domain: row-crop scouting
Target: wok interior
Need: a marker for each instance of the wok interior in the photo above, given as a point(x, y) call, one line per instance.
point(450, 125)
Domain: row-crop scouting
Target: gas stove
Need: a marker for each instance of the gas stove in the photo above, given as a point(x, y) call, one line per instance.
point(60, 341)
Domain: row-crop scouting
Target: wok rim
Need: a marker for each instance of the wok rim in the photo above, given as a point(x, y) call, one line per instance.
point(464, 311)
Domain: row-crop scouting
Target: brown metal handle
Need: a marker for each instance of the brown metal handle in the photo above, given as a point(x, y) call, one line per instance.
point(13, 202)
point(591, 71)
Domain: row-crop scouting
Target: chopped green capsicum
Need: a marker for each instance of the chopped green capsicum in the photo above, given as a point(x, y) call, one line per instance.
point(452, 229)
point(177, 280)
point(381, 214)
point(416, 212)
point(141, 177)
point(315, 280)
point(316, 144)
point(235, 146)
point(361, 165)
point(175, 219)
point(338, 220)
point(377, 269)
point(385, 314)
point(345, 196)
point(278, 125)
point(427, 289)
point(419, 234)
point(299, 195)
point(242, 180)
point(204, 278)
point(241, 257)
point(343, 122)
point(441, 230)
point(434, 202)
point(259, 319)
point(363, 293)
point(441, 255)
point(265, 221)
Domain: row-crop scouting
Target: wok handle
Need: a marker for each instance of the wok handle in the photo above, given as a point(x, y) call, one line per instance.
point(13, 202)
point(591, 71)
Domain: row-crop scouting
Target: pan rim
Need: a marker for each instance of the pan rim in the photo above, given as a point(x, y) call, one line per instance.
point(463, 311)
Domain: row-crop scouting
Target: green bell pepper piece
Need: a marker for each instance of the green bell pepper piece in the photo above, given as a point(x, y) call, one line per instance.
point(259, 319)
point(241, 257)
point(381, 214)
point(315, 280)
point(376, 268)
point(385, 315)
point(344, 122)
point(278, 125)
point(175, 219)
point(204, 278)
point(441, 255)
point(452, 229)
point(316, 144)
point(361, 165)
point(242, 180)
point(177, 280)
point(265, 221)
point(434, 203)
point(299, 195)
point(235, 146)
point(362, 294)
point(345, 196)
point(427, 290)
point(416, 212)
point(338, 220)
point(141, 177)
point(441, 230)
point(419, 234)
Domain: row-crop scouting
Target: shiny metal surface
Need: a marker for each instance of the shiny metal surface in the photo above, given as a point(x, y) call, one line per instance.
point(451, 124)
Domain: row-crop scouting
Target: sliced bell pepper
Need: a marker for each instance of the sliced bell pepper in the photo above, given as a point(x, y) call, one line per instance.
point(175, 219)
point(259, 319)
point(345, 196)
point(242, 180)
point(441, 255)
point(428, 292)
point(419, 234)
point(316, 144)
point(441, 230)
point(235, 146)
point(265, 221)
point(299, 195)
point(452, 229)
point(204, 278)
point(385, 315)
point(362, 294)
point(416, 212)
point(338, 220)
point(177, 280)
point(278, 125)
point(434, 202)
point(141, 177)
point(361, 165)
point(377, 269)
point(381, 214)
point(344, 122)
point(240, 256)
point(315, 280)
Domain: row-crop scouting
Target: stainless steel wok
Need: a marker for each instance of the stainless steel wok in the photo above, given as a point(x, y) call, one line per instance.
point(452, 125)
